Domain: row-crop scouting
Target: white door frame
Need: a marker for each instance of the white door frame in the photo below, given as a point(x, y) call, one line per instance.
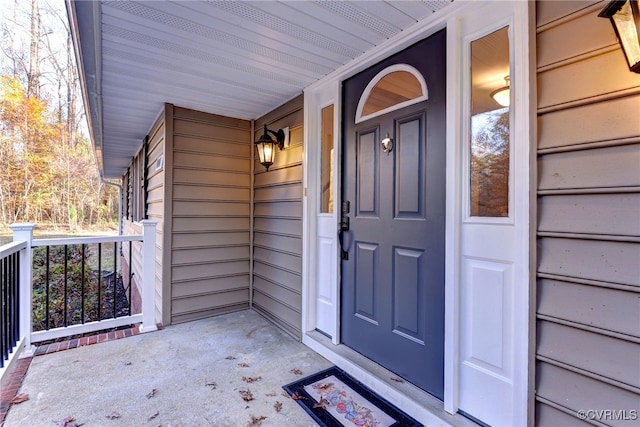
point(328, 91)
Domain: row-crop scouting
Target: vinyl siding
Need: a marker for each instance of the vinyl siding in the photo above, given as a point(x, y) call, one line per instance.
point(211, 184)
point(155, 189)
point(588, 273)
point(277, 225)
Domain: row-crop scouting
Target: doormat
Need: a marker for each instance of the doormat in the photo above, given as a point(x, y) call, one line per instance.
point(333, 398)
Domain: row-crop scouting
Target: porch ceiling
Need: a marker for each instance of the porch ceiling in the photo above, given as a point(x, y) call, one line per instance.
point(234, 58)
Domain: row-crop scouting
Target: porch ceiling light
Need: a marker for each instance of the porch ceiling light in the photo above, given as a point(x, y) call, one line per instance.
point(503, 95)
point(267, 146)
point(625, 18)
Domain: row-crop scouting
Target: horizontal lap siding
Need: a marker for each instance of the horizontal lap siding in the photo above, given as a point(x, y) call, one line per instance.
point(210, 215)
point(277, 252)
point(588, 288)
point(154, 209)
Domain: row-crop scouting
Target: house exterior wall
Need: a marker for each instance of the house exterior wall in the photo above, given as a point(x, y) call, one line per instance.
point(210, 236)
point(588, 273)
point(277, 225)
point(149, 207)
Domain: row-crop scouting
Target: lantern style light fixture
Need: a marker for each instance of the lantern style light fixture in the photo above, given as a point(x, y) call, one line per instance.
point(267, 146)
point(502, 95)
point(625, 18)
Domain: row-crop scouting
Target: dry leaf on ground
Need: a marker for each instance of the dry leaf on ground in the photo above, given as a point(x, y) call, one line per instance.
point(68, 422)
point(296, 371)
point(153, 416)
point(251, 379)
point(152, 393)
point(270, 394)
point(230, 358)
point(243, 364)
point(247, 396)
point(277, 406)
point(297, 396)
point(256, 421)
point(322, 404)
point(19, 398)
point(113, 415)
point(396, 379)
point(211, 384)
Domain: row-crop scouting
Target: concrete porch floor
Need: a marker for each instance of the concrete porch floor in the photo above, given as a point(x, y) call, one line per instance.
point(197, 369)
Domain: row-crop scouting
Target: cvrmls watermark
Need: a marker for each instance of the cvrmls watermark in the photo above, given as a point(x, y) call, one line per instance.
point(608, 414)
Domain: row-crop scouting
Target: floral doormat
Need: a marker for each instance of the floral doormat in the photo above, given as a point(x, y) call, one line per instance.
point(333, 398)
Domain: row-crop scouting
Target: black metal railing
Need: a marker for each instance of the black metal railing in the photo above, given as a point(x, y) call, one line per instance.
point(9, 302)
point(74, 284)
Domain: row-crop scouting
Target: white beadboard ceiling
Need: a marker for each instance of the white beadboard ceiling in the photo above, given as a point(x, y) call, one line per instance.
point(233, 58)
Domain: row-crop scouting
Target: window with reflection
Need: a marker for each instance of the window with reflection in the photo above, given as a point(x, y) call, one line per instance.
point(326, 161)
point(490, 130)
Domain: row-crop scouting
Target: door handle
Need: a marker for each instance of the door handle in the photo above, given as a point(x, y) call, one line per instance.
point(344, 226)
point(344, 255)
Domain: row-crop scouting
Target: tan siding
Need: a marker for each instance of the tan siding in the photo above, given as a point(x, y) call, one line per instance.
point(590, 305)
point(278, 224)
point(211, 215)
point(156, 200)
point(588, 288)
point(613, 214)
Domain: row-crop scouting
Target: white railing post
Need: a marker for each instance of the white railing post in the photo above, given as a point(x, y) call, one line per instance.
point(148, 276)
point(23, 232)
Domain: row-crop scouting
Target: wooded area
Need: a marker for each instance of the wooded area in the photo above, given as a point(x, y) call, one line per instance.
point(48, 172)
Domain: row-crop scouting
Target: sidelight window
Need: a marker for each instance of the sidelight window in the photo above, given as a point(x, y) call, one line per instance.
point(489, 147)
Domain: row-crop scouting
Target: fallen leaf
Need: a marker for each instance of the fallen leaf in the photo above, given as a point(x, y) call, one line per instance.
point(297, 396)
point(285, 395)
point(277, 406)
point(153, 416)
point(396, 379)
point(243, 364)
point(253, 330)
point(152, 393)
point(230, 358)
point(256, 421)
point(296, 371)
point(270, 394)
point(127, 363)
point(251, 379)
point(19, 398)
point(113, 415)
point(247, 396)
point(322, 404)
point(68, 422)
point(212, 384)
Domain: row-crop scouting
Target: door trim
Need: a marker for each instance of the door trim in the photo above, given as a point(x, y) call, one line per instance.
point(326, 91)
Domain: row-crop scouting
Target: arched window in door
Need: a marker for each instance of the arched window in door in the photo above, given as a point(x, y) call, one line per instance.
point(393, 88)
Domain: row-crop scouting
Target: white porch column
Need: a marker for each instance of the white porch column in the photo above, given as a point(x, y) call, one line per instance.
point(23, 232)
point(148, 276)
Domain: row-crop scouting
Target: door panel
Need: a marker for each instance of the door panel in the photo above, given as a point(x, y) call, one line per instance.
point(392, 307)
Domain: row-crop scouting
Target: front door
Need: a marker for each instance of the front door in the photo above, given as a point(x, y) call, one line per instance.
point(392, 308)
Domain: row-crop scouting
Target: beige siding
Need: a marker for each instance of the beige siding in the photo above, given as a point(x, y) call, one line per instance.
point(277, 256)
point(154, 209)
point(588, 287)
point(210, 215)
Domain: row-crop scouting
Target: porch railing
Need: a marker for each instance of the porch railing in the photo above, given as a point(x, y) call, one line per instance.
point(79, 291)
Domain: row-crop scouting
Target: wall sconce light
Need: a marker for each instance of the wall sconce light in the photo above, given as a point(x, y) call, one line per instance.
point(625, 18)
point(503, 95)
point(267, 146)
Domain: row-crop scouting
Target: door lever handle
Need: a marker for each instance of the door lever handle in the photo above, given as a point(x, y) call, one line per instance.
point(344, 255)
point(344, 226)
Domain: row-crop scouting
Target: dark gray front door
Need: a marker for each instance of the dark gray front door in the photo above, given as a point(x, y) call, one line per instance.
point(393, 280)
